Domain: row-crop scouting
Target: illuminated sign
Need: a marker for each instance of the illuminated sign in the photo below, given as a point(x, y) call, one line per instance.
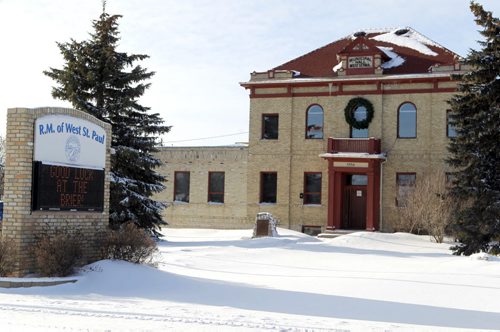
point(62, 188)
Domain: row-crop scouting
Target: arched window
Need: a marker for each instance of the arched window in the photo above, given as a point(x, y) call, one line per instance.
point(314, 122)
point(360, 114)
point(407, 121)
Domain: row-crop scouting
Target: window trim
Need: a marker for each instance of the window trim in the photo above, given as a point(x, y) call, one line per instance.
point(397, 184)
point(262, 126)
point(216, 192)
point(261, 191)
point(312, 192)
point(448, 125)
point(416, 120)
point(175, 185)
point(322, 119)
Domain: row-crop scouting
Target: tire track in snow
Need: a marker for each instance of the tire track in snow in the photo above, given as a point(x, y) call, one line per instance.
point(258, 323)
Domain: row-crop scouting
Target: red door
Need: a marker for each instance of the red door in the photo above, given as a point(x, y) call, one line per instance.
point(354, 208)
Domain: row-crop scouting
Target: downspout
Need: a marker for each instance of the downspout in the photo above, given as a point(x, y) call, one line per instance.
point(381, 209)
point(381, 185)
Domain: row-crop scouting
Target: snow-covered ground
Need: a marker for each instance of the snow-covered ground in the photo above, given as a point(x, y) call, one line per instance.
point(213, 280)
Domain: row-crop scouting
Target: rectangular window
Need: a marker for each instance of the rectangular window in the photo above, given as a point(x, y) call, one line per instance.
point(268, 187)
point(311, 230)
point(181, 187)
point(216, 187)
point(450, 128)
point(312, 188)
point(270, 124)
point(405, 183)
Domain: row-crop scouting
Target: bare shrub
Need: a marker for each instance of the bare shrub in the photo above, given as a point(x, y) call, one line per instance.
point(58, 251)
point(129, 243)
point(428, 208)
point(7, 257)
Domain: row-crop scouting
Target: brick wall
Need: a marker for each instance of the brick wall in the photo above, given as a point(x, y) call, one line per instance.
point(20, 223)
point(292, 154)
point(199, 212)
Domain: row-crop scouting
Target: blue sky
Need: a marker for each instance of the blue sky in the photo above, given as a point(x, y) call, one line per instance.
point(201, 49)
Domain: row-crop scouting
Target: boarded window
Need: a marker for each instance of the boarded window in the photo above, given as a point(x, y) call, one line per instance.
point(405, 183)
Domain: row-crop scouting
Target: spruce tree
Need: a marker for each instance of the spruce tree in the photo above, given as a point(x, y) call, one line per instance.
point(104, 82)
point(475, 152)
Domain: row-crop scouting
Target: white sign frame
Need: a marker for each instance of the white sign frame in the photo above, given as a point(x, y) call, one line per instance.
point(70, 141)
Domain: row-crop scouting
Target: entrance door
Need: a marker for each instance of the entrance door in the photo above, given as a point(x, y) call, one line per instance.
point(354, 207)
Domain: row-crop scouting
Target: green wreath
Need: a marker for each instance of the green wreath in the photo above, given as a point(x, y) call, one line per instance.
point(351, 107)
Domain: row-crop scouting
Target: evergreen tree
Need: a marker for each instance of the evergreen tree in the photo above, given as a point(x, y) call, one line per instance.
point(475, 152)
point(99, 80)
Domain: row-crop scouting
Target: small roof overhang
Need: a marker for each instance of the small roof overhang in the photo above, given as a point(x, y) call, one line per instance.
point(353, 155)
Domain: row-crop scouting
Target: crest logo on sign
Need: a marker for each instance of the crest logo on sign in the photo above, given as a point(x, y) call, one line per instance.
point(72, 149)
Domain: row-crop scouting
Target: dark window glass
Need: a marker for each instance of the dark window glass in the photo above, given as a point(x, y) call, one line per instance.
point(360, 114)
point(405, 183)
point(312, 188)
point(216, 187)
point(407, 121)
point(270, 124)
point(450, 128)
point(314, 125)
point(357, 180)
point(268, 187)
point(311, 230)
point(181, 187)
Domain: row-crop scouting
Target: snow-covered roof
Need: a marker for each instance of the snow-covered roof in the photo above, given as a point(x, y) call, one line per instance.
point(409, 52)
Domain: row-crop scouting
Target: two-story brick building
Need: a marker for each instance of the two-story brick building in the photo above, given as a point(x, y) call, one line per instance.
point(336, 138)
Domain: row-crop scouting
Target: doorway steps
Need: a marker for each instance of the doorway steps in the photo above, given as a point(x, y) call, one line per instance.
point(338, 232)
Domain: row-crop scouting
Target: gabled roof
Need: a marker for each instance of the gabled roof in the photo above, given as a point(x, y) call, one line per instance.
point(410, 51)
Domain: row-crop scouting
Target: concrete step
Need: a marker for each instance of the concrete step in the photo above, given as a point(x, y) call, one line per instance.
point(328, 234)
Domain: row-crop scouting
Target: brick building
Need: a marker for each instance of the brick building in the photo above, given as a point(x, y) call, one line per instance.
point(309, 159)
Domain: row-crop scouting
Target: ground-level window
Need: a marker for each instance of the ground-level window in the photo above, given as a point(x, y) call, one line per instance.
point(450, 127)
point(181, 187)
point(216, 187)
point(405, 184)
point(312, 188)
point(311, 230)
point(268, 187)
point(314, 122)
point(270, 124)
point(407, 121)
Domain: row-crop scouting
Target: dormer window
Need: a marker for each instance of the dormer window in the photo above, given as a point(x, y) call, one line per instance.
point(360, 62)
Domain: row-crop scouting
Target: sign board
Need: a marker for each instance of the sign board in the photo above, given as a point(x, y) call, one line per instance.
point(62, 188)
point(66, 140)
point(349, 164)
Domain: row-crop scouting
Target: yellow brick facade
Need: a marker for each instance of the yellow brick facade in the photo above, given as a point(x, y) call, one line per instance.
point(20, 223)
point(322, 77)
